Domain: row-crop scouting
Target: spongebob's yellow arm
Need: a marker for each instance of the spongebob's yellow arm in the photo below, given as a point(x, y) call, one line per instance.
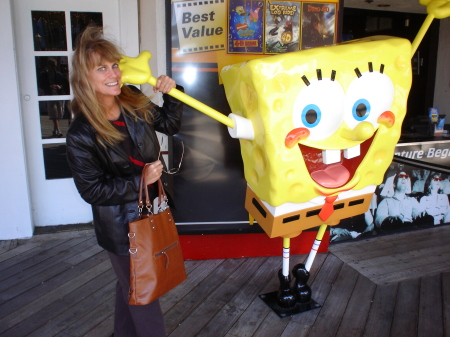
point(136, 70)
point(438, 9)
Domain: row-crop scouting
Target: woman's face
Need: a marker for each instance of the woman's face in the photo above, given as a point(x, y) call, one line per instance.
point(106, 78)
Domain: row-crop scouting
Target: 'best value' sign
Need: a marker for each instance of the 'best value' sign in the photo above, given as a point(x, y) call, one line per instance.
point(201, 25)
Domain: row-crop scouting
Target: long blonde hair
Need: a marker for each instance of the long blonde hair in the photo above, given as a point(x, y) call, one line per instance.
point(90, 44)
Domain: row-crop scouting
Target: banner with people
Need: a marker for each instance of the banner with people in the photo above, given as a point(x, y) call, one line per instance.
point(410, 197)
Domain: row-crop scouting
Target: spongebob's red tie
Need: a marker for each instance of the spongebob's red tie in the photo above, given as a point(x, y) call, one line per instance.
point(327, 208)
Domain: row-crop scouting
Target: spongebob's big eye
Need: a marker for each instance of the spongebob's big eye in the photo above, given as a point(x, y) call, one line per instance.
point(367, 98)
point(319, 108)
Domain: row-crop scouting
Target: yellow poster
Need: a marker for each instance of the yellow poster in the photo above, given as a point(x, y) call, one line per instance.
point(201, 25)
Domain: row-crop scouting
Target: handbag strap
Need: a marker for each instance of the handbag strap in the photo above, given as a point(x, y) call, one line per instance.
point(142, 187)
point(162, 197)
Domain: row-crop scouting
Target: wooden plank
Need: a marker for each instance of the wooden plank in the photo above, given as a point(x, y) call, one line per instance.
point(88, 304)
point(217, 299)
point(44, 270)
point(89, 248)
point(357, 311)
point(430, 307)
point(296, 329)
point(408, 257)
point(316, 266)
point(104, 329)
point(7, 245)
point(177, 314)
point(408, 264)
point(23, 300)
point(63, 248)
point(331, 313)
point(228, 315)
point(67, 309)
point(320, 287)
point(37, 305)
point(396, 256)
point(352, 252)
point(273, 326)
point(62, 235)
point(12, 253)
point(25, 283)
point(92, 318)
point(381, 312)
point(36, 252)
point(257, 313)
point(424, 271)
point(395, 310)
point(13, 244)
point(4, 245)
point(446, 303)
point(194, 278)
point(191, 265)
point(406, 310)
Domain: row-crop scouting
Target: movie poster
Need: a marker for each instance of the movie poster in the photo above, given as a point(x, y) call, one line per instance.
point(245, 29)
point(318, 25)
point(282, 27)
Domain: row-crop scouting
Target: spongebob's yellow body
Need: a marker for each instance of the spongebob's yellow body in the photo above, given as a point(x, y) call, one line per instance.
point(318, 92)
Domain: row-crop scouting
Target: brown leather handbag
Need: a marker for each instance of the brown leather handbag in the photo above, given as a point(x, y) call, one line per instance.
point(156, 260)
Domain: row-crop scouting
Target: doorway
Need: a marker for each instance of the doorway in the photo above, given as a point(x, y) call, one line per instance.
point(45, 35)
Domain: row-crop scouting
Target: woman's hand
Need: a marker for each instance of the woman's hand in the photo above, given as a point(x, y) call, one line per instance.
point(164, 84)
point(152, 172)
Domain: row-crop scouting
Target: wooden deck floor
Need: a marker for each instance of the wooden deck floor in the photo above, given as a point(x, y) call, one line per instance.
point(63, 285)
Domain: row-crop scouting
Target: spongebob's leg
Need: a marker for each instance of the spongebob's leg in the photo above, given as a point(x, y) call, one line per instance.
point(285, 295)
point(301, 289)
point(315, 247)
point(287, 301)
point(286, 255)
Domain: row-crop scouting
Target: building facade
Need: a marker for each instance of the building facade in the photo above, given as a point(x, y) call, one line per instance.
point(27, 198)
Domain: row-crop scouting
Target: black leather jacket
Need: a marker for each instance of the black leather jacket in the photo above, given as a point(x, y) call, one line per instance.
point(104, 176)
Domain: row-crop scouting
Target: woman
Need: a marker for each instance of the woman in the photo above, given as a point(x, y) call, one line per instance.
point(434, 202)
point(110, 140)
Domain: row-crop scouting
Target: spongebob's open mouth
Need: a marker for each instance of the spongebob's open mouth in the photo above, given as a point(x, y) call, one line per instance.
point(333, 175)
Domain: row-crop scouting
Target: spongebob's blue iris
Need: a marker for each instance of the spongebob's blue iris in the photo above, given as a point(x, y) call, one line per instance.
point(361, 109)
point(311, 115)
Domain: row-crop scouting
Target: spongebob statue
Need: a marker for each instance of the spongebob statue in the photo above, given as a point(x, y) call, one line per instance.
point(317, 130)
point(325, 125)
